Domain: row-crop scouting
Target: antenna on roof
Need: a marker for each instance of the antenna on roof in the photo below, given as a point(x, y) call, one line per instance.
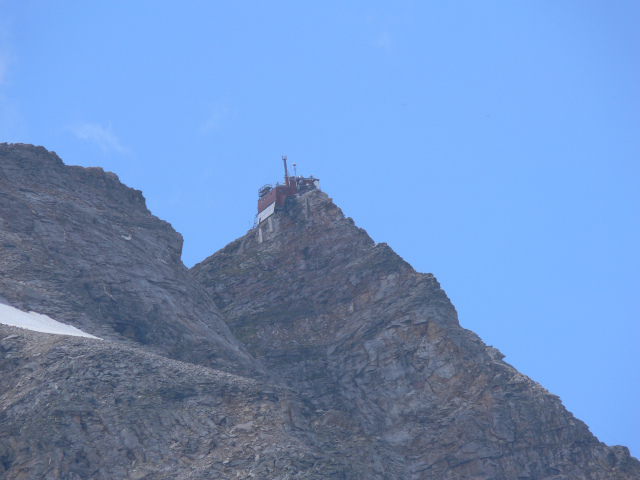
point(286, 172)
point(295, 172)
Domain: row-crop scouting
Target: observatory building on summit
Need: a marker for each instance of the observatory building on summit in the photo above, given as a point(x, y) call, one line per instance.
point(272, 198)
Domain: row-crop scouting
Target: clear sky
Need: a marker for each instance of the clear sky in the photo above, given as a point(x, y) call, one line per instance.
point(495, 144)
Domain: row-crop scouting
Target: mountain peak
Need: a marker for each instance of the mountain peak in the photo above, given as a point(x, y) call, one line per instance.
point(376, 351)
point(309, 250)
point(301, 350)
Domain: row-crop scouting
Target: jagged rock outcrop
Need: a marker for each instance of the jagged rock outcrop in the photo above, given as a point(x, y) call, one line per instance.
point(81, 247)
point(376, 350)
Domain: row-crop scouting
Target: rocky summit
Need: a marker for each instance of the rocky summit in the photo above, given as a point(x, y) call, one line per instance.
point(83, 248)
point(302, 350)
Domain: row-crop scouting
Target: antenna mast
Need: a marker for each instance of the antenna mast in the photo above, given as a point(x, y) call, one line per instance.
point(286, 172)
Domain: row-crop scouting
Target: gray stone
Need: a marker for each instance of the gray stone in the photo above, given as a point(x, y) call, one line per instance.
point(314, 354)
point(375, 348)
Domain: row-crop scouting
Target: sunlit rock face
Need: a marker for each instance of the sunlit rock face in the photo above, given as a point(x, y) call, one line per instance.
point(386, 371)
point(300, 351)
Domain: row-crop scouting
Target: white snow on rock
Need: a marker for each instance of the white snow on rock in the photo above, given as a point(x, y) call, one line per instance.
point(38, 323)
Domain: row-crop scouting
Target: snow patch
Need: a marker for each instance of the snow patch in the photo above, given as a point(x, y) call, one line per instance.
point(37, 322)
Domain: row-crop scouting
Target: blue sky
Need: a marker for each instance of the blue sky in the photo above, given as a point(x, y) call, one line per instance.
point(495, 144)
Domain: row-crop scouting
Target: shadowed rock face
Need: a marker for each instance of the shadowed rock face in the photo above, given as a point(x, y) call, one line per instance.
point(376, 350)
point(81, 247)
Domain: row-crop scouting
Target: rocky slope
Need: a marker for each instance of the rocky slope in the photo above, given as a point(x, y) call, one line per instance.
point(75, 408)
point(328, 357)
point(376, 350)
point(81, 247)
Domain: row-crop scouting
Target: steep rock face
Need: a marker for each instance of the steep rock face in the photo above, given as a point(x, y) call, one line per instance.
point(387, 372)
point(81, 247)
